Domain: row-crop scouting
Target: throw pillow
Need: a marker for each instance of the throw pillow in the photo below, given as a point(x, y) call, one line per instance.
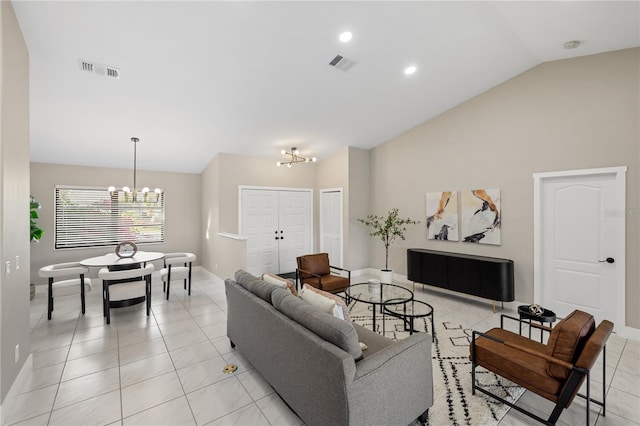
point(319, 301)
point(340, 303)
point(282, 282)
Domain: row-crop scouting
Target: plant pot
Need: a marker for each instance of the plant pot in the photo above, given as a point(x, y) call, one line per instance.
point(386, 276)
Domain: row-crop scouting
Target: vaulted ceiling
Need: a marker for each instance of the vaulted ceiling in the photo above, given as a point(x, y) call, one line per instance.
point(199, 78)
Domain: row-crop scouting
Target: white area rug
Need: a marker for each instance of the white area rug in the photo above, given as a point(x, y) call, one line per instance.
point(453, 402)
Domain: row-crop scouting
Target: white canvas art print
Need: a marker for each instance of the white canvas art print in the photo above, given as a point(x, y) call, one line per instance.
point(481, 216)
point(442, 216)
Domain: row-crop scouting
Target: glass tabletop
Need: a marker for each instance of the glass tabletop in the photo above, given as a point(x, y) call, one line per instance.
point(386, 294)
point(414, 308)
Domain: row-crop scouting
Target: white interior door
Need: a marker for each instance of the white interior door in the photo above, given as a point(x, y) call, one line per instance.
point(579, 232)
point(259, 223)
point(278, 228)
point(331, 225)
point(294, 227)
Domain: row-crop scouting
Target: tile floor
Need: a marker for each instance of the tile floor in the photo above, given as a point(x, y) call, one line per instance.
point(166, 369)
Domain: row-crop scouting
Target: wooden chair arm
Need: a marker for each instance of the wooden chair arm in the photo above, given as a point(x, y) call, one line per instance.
point(520, 348)
point(300, 277)
point(343, 270)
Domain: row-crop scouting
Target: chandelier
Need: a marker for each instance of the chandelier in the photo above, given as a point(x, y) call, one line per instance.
point(294, 157)
point(143, 195)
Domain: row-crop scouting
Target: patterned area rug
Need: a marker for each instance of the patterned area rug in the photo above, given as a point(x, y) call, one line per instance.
point(453, 402)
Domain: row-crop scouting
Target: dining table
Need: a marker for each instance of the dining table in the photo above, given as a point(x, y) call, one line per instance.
point(113, 262)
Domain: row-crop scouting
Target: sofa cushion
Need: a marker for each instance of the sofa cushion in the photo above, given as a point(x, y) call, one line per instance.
point(282, 282)
point(567, 339)
point(338, 332)
point(255, 285)
point(340, 303)
point(318, 300)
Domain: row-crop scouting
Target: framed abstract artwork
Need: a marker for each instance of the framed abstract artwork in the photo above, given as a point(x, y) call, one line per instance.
point(442, 216)
point(481, 216)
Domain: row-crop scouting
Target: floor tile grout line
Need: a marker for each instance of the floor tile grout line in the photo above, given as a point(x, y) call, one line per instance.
point(53, 403)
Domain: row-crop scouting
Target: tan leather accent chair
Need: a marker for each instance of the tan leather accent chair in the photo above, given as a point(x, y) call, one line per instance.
point(555, 370)
point(315, 270)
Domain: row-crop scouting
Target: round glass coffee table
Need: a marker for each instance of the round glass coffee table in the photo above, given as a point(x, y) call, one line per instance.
point(386, 294)
point(409, 311)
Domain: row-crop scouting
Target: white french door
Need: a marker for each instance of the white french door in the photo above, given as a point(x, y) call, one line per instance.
point(278, 226)
point(580, 253)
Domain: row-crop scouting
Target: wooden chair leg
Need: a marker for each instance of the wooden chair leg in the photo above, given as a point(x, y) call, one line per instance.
point(82, 297)
point(168, 281)
point(50, 298)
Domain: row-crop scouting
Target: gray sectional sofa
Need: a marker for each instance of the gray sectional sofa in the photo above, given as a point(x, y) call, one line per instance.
point(314, 360)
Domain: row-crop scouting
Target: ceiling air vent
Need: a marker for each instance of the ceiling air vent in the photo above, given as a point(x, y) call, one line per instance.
point(342, 63)
point(99, 69)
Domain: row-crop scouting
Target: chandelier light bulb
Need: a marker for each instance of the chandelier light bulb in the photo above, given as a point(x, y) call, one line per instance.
point(126, 189)
point(313, 159)
point(283, 152)
point(145, 189)
point(295, 151)
point(278, 164)
point(157, 191)
point(289, 165)
point(111, 189)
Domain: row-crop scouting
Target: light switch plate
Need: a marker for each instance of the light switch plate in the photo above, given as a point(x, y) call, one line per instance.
point(7, 268)
point(17, 262)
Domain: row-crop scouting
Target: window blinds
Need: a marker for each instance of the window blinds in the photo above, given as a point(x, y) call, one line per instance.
point(94, 217)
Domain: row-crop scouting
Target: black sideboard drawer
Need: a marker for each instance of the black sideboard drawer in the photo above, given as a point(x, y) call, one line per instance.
point(488, 277)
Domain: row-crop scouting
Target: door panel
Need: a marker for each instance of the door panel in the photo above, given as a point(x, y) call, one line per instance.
point(331, 226)
point(295, 224)
point(277, 225)
point(576, 236)
point(260, 221)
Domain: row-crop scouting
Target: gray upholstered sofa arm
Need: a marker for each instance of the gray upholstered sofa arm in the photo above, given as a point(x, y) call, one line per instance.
point(403, 370)
point(410, 348)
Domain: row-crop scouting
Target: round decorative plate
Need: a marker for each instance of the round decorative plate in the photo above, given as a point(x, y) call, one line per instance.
point(126, 249)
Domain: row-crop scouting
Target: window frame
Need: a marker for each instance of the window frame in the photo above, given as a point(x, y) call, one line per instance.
point(113, 233)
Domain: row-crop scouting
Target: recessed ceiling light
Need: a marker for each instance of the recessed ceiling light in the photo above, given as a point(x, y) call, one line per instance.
point(345, 36)
point(571, 44)
point(410, 70)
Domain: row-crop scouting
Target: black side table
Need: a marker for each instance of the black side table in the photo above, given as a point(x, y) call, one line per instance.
point(546, 316)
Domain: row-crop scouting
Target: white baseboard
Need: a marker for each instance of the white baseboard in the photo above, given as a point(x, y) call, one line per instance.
point(216, 279)
point(18, 383)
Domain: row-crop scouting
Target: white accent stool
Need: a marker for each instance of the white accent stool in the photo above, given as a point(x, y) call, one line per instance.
point(65, 287)
point(177, 266)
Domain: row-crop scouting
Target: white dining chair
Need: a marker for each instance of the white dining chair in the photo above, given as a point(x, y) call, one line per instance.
point(59, 286)
point(177, 266)
point(125, 287)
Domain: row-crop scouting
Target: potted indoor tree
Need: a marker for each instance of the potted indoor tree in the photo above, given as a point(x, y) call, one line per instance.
point(387, 229)
point(36, 232)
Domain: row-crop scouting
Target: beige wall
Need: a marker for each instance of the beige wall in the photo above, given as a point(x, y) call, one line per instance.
point(14, 170)
point(571, 114)
point(220, 181)
point(182, 209)
point(359, 206)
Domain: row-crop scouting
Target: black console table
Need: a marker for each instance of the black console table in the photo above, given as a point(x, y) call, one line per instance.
point(488, 277)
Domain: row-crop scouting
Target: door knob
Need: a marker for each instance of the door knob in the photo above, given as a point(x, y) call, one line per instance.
point(608, 260)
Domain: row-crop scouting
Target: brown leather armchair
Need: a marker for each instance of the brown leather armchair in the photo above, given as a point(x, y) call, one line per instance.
point(554, 371)
point(314, 269)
